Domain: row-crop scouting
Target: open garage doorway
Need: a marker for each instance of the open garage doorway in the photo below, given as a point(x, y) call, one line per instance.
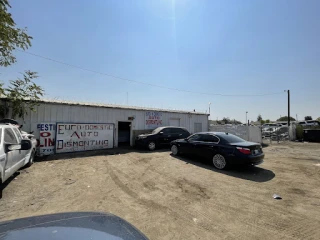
point(124, 129)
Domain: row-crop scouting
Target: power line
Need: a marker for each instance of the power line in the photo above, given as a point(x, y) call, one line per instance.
point(149, 84)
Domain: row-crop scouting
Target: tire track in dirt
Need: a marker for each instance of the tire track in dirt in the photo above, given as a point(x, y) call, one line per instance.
point(276, 227)
point(178, 212)
point(223, 209)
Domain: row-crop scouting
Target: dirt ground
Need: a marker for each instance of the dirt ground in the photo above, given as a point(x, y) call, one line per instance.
point(179, 198)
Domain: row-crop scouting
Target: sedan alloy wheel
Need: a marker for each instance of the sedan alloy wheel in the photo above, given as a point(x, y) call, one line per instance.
point(174, 150)
point(219, 161)
point(151, 146)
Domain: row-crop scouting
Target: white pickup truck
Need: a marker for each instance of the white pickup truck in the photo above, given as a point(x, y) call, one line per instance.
point(16, 151)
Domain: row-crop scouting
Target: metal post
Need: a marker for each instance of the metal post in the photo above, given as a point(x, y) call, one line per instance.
point(247, 118)
point(288, 108)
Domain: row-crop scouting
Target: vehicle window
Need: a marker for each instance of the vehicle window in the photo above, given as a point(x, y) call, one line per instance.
point(18, 134)
point(229, 138)
point(179, 130)
point(195, 137)
point(0, 136)
point(9, 136)
point(168, 130)
point(209, 138)
point(156, 130)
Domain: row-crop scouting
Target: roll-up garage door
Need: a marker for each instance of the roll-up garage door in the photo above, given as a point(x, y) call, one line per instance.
point(174, 122)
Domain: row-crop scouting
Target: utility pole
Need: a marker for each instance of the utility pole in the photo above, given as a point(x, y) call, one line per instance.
point(288, 91)
point(247, 117)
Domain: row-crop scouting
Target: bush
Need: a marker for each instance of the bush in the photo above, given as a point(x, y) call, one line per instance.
point(300, 128)
point(299, 132)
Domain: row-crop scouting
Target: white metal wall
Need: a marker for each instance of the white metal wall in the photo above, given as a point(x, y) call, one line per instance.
point(50, 112)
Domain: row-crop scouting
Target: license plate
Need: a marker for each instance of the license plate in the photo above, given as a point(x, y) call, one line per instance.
point(255, 151)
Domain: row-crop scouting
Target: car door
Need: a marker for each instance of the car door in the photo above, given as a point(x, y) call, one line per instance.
point(164, 136)
point(175, 133)
point(207, 146)
point(192, 143)
point(22, 153)
point(13, 156)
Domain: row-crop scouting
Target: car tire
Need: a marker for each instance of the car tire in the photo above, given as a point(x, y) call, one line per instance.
point(219, 161)
point(174, 150)
point(1, 188)
point(31, 159)
point(151, 146)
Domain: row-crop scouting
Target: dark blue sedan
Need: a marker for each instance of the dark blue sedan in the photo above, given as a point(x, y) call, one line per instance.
point(223, 149)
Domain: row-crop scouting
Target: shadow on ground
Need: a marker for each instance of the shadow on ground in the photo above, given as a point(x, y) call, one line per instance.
point(8, 181)
point(92, 153)
point(251, 173)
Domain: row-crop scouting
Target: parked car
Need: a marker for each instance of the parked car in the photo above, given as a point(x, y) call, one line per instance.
point(223, 149)
point(268, 125)
point(281, 133)
point(267, 132)
point(72, 225)
point(15, 152)
point(161, 136)
point(309, 123)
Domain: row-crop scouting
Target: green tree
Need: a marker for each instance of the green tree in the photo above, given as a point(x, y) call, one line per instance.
point(267, 121)
point(21, 94)
point(226, 120)
point(318, 119)
point(259, 118)
point(285, 118)
point(11, 37)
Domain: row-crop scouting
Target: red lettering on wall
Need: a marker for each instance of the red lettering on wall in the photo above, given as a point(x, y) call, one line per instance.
point(45, 134)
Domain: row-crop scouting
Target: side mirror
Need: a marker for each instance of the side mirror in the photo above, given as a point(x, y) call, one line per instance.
point(186, 139)
point(26, 144)
point(11, 147)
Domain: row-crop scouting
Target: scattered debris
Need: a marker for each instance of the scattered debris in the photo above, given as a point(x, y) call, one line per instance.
point(276, 196)
point(195, 220)
point(88, 186)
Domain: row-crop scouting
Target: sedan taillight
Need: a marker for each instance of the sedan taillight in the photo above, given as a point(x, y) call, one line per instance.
point(244, 150)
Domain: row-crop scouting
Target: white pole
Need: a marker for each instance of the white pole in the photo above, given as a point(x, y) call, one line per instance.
point(246, 118)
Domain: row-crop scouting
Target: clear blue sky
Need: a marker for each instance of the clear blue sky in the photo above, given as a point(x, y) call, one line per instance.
point(226, 47)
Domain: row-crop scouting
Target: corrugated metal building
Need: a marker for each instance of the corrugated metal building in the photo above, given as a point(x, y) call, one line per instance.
point(128, 121)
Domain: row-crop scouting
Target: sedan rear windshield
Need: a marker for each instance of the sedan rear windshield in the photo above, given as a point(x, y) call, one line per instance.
point(229, 138)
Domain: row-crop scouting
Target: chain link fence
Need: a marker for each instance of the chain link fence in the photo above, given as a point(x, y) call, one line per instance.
point(277, 134)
